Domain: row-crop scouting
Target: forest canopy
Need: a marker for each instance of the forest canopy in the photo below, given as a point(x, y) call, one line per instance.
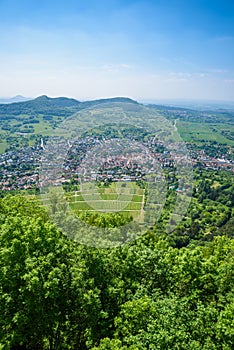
point(58, 294)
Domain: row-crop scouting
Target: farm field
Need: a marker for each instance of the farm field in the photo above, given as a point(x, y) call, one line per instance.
point(124, 197)
point(196, 132)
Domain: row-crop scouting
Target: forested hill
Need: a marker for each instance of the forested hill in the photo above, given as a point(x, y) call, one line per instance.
point(53, 106)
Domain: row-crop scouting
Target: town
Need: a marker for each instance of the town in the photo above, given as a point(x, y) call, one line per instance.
point(20, 169)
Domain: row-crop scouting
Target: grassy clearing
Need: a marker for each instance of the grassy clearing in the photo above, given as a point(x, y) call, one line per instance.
point(109, 196)
point(80, 206)
point(133, 206)
point(43, 128)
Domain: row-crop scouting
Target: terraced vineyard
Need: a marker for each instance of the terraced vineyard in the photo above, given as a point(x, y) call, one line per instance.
point(125, 197)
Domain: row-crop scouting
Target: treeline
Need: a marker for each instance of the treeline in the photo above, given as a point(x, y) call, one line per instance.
point(58, 294)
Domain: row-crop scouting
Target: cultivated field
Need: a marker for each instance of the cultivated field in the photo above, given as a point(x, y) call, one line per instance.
point(124, 197)
point(196, 132)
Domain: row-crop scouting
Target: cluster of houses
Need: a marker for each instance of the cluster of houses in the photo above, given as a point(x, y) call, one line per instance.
point(20, 169)
point(200, 158)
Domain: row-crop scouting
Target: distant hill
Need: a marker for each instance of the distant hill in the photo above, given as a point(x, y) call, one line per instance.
point(59, 106)
point(91, 103)
point(55, 102)
point(17, 98)
point(41, 105)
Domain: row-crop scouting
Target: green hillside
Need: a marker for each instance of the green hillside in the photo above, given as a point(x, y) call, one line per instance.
point(23, 123)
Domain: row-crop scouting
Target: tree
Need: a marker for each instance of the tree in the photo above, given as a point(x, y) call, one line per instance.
point(46, 296)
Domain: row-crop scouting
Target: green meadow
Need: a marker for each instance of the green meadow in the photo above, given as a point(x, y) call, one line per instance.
point(198, 132)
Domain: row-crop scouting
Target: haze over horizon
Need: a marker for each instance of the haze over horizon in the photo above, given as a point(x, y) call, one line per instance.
point(144, 50)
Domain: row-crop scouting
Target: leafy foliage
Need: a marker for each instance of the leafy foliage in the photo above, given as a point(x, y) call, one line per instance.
point(57, 294)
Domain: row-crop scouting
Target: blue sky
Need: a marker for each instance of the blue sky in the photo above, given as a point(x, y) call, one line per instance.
point(146, 50)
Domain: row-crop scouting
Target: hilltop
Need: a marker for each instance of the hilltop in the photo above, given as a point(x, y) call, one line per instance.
point(60, 106)
point(17, 98)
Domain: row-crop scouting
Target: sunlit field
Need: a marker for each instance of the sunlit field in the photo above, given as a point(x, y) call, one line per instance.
point(125, 197)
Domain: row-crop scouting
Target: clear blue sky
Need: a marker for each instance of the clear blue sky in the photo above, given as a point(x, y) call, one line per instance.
point(141, 49)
